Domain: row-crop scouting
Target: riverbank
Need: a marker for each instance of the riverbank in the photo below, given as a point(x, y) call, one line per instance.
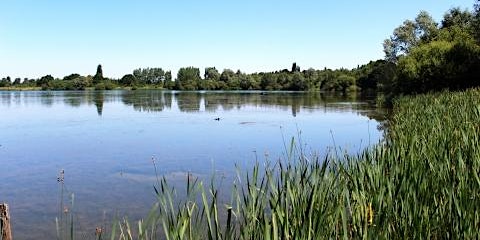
point(422, 182)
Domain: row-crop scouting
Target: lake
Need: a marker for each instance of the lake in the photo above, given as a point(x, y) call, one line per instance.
point(106, 142)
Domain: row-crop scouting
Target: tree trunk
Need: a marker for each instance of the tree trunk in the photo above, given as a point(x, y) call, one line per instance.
point(5, 227)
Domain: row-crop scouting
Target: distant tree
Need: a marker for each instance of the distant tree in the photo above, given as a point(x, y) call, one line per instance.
point(5, 82)
point(71, 77)
point(168, 83)
point(79, 83)
point(188, 78)
point(211, 73)
point(17, 81)
point(98, 78)
point(149, 75)
point(269, 82)
point(227, 75)
point(128, 80)
point(295, 67)
point(45, 81)
point(298, 82)
point(378, 75)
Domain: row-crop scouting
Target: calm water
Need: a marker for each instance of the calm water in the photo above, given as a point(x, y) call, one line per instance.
point(105, 142)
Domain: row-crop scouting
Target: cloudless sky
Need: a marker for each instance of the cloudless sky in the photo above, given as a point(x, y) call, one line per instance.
point(60, 37)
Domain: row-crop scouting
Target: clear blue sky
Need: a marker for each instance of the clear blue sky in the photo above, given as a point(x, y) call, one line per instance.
point(60, 37)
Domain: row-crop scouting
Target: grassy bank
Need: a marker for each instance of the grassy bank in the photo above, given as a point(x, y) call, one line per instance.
point(421, 183)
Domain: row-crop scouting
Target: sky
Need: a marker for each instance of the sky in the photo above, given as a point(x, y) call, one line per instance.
point(60, 37)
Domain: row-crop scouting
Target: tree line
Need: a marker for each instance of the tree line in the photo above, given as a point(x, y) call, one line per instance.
point(420, 56)
point(191, 78)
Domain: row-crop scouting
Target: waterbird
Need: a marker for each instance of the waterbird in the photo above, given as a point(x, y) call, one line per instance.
point(217, 119)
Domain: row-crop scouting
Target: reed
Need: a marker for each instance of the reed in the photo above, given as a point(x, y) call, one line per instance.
point(421, 182)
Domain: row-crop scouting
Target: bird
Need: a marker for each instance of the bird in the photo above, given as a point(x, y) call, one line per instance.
point(217, 119)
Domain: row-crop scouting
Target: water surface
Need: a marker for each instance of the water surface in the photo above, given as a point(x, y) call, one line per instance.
point(105, 142)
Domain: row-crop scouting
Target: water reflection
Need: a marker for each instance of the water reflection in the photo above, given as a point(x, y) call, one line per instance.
point(158, 101)
point(147, 101)
point(98, 98)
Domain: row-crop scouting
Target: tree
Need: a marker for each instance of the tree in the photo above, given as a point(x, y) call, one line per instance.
point(71, 77)
point(188, 78)
point(457, 17)
point(45, 81)
point(79, 83)
point(168, 83)
point(128, 80)
point(98, 78)
point(298, 82)
point(149, 75)
point(378, 75)
point(227, 75)
point(439, 65)
point(409, 35)
point(211, 73)
point(17, 81)
point(5, 82)
point(295, 68)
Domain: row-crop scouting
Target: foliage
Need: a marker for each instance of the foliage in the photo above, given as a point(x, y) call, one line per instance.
point(211, 73)
point(457, 17)
point(149, 75)
point(439, 65)
point(128, 80)
point(188, 78)
point(431, 58)
point(378, 75)
point(5, 82)
point(106, 85)
point(98, 78)
point(476, 21)
point(409, 35)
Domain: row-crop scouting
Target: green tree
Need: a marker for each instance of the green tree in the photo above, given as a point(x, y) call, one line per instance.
point(149, 75)
point(295, 67)
point(79, 83)
point(5, 82)
point(188, 78)
point(457, 17)
point(168, 83)
point(71, 77)
point(17, 81)
point(378, 75)
point(409, 35)
point(211, 73)
point(439, 65)
point(298, 82)
point(98, 78)
point(45, 81)
point(128, 80)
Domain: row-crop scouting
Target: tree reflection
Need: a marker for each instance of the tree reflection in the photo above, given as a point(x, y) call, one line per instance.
point(98, 98)
point(188, 101)
point(209, 101)
point(147, 101)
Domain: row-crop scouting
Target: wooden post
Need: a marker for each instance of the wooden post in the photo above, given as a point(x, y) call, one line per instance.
point(5, 227)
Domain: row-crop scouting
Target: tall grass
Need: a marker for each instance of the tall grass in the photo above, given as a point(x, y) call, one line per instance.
point(422, 182)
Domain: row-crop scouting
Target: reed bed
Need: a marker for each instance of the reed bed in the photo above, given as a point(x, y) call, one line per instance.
point(421, 182)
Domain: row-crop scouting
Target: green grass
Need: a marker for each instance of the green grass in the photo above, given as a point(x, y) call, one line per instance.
point(422, 182)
